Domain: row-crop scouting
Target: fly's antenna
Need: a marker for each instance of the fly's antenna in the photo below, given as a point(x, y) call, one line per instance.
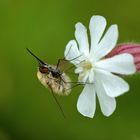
point(40, 61)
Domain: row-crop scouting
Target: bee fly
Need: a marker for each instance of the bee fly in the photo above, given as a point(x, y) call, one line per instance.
point(53, 78)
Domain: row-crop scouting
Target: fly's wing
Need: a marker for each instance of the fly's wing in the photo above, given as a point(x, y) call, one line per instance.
point(64, 65)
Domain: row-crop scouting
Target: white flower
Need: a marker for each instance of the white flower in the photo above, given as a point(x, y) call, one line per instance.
point(93, 68)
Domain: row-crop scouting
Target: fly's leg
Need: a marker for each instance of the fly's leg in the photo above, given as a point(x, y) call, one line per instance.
point(60, 108)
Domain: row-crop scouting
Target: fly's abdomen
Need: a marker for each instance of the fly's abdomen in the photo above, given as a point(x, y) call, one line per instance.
point(60, 85)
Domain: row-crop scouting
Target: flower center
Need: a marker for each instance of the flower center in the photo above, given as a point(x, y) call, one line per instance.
point(86, 65)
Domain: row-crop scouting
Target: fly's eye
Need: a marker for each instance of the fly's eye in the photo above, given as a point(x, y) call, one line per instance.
point(43, 69)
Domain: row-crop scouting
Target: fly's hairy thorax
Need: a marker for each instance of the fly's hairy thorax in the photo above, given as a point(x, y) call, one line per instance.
point(60, 84)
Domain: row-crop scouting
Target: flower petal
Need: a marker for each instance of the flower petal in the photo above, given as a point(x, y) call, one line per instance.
point(83, 77)
point(97, 26)
point(78, 70)
point(107, 43)
point(133, 49)
point(72, 52)
point(82, 38)
point(91, 76)
point(120, 64)
point(86, 104)
point(107, 104)
point(113, 85)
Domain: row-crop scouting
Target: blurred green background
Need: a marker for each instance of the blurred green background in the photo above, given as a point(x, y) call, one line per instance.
point(27, 109)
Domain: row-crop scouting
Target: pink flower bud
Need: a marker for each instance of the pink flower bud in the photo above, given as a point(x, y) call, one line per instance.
point(133, 49)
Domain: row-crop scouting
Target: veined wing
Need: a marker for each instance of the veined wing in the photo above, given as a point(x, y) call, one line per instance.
point(64, 65)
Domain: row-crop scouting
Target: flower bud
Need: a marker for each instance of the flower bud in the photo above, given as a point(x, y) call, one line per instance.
point(133, 49)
